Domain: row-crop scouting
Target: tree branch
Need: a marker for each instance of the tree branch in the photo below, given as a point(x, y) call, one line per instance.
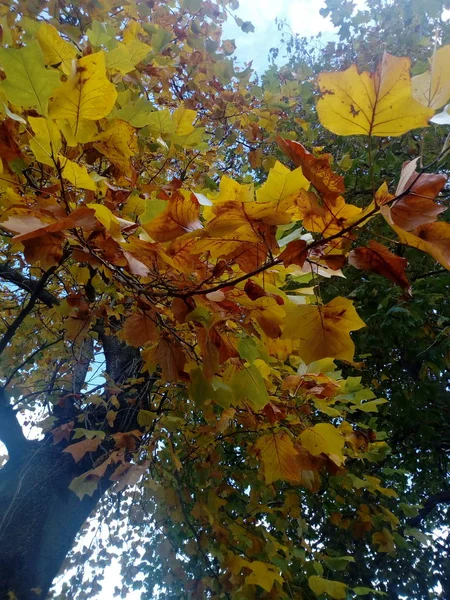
point(433, 501)
point(39, 288)
point(27, 283)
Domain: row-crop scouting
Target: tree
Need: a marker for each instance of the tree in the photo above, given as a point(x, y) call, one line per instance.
point(136, 235)
point(408, 329)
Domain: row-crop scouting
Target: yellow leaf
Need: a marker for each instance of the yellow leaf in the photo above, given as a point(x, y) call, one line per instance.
point(279, 457)
point(269, 315)
point(281, 184)
point(384, 540)
point(126, 56)
point(86, 96)
point(76, 174)
point(263, 574)
point(323, 330)
point(55, 50)
point(334, 589)
point(46, 142)
point(377, 103)
point(232, 190)
point(183, 119)
point(432, 88)
point(118, 142)
point(109, 221)
point(324, 438)
point(131, 31)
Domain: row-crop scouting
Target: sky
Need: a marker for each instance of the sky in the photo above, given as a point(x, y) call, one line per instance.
point(302, 16)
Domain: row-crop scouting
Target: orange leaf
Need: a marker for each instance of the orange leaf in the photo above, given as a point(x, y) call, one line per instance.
point(62, 432)
point(170, 357)
point(334, 217)
point(181, 216)
point(316, 169)
point(139, 329)
point(378, 259)
point(432, 238)
point(127, 440)
point(79, 449)
point(417, 207)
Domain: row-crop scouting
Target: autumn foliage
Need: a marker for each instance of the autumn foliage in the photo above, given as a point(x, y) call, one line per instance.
point(131, 207)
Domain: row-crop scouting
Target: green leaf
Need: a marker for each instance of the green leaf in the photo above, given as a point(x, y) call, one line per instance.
point(247, 349)
point(418, 535)
point(410, 510)
point(100, 33)
point(334, 589)
point(339, 563)
point(135, 113)
point(146, 418)
point(28, 83)
point(248, 384)
point(83, 486)
point(160, 39)
point(79, 432)
point(363, 591)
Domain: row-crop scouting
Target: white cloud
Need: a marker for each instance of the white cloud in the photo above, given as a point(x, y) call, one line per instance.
point(302, 16)
point(305, 19)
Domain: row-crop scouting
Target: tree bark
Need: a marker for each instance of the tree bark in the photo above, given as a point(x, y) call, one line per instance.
point(39, 516)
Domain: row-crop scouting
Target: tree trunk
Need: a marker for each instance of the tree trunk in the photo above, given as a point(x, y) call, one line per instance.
point(39, 515)
point(39, 518)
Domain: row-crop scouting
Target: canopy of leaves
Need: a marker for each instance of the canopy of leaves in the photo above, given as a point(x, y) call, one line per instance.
point(159, 214)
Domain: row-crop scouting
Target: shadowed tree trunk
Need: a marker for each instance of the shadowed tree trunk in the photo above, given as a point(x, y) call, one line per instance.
point(40, 518)
point(39, 515)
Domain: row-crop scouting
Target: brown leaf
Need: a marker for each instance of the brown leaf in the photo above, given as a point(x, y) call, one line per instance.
point(79, 449)
point(378, 259)
point(316, 169)
point(254, 290)
point(128, 474)
point(294, 253)
point(171, 358)
point(139, 329)
point(45, 251)
point(127, 440)
point(62, 432)
point(417, 207)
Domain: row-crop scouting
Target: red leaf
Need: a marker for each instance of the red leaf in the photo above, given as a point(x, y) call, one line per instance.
point(294, 253)
point(378, 259)
point(254, 290)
